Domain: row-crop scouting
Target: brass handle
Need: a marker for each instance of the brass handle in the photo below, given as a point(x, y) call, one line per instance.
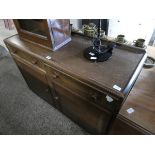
point(55, 75)
point(14, 51)
point(34, 62)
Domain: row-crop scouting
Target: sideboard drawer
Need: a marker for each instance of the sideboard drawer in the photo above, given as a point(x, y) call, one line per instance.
point(84, 91)
point(31, 59)
point(31, 69)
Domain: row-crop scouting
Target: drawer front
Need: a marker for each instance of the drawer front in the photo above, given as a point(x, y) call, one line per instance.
point(86, 92)
point(31, 59)
point(91, 118)
point(33, 70)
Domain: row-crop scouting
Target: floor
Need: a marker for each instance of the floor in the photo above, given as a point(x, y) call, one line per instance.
point(5, 33)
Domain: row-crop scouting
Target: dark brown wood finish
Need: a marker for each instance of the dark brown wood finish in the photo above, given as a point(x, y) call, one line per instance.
point(56, 32)
point(35, 78)
point(78, 87)
point(37, 86)
point(84, 91)
point(45, 40)
point(88, 116)
point(78, 101)
point(142, 100)
point(123, 126)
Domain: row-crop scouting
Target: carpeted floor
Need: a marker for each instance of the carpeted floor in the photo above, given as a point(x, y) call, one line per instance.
point(24, 113)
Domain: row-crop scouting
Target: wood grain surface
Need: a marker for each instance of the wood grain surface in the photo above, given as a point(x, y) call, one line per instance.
point(142, 100)
point(79, 87)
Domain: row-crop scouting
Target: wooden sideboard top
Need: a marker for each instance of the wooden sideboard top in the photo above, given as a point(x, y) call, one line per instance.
point(142, 99)
point(121, 69)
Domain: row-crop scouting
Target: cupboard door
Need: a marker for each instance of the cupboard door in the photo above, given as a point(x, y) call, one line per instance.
point(88, 116)
point(35, 78)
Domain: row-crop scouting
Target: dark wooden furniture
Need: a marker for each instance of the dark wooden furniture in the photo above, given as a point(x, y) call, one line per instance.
point(142, 100)
point(52, 33)
point(82, 90)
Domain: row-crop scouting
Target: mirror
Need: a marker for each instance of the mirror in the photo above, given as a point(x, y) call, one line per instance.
point(131, 29)
point(36, 26)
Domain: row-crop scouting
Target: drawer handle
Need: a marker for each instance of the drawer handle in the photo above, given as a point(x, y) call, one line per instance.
point(55, 75)
point(94, 97)
point(14, 51)
point(34, 62)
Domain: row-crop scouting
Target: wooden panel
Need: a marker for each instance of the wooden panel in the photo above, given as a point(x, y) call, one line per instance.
point(38, 87)
point(142, 100)
point(83, 90)
point(46, 41)
point(118, 70)
point(31, 69)
point(31, 59)
point(123, 126)
point(89, 117)
point(53, 33)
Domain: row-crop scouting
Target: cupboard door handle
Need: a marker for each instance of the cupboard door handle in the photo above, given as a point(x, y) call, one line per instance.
point(47, 90)
point(56, 98)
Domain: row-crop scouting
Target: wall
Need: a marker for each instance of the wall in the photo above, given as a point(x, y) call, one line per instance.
point(132, 28)
point(77, 23)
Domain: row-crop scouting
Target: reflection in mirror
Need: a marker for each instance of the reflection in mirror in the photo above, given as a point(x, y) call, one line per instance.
point(35, 26)
point(88, 27)
point(111, 29)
